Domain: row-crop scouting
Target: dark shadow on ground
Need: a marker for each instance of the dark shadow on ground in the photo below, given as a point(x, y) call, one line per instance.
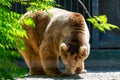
point(55, 78)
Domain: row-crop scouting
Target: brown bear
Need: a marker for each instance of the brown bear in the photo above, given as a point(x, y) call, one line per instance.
point(63, 34)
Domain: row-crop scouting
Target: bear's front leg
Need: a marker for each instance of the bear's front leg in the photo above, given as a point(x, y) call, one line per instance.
point(81, 68)
point(49, 60)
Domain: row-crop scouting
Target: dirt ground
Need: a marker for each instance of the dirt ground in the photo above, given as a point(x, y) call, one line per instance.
point(93, 74)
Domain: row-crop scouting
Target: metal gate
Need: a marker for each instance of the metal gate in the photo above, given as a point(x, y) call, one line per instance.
point(74, 5)
point(71, 5)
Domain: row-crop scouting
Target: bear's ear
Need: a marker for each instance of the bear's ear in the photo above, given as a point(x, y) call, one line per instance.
point(63, 47)
point(83, 50)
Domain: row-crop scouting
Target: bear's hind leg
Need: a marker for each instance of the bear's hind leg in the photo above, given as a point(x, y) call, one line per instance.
point(32, 60)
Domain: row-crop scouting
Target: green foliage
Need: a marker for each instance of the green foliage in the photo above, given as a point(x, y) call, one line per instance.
point(8, 69)
point(101, 22)
point(28, 21)
point(6, 3)
point(4, 75)
point(10, 29)
point(11, 33)
point(40, 4)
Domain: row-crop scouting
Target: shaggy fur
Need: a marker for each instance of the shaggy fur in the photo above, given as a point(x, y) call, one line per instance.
point(64, 34)
point(35, 37)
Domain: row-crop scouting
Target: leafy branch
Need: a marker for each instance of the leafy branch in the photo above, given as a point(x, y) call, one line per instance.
point(10, 29)
point(100, 22)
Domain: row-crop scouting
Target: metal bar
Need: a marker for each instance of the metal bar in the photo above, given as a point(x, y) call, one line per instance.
point(83, 8)
point(16, 7)
point(65, 4)
point(77, 6)
point(71, 5)
point(95, 32)
point(95, 7)
point(89, 9)
point(58, 1)
point(89, 6)
point(22, 9)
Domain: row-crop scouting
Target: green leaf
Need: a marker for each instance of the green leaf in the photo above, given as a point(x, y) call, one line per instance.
point(101, 23)
point(101, 29)
point(107, 27)
point(103, 18)
point(28, 21)
point(113, 26)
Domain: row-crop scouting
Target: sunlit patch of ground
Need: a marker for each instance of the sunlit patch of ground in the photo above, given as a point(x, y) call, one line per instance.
point(93, 74)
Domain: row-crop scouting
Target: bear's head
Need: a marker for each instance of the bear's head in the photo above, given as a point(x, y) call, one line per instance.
point(75, 49)
point(73, 56)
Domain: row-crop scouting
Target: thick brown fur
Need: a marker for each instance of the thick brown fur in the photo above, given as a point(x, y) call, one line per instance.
point(64, 34)
point(35, 36)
